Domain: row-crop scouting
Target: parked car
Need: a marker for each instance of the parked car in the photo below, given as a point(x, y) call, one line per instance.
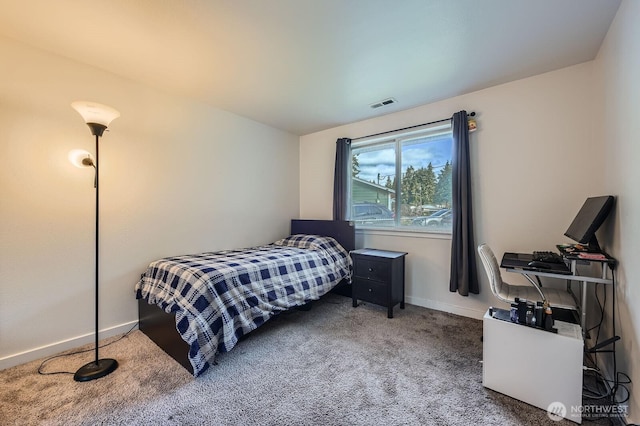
point(372, 214)
point(441, 218)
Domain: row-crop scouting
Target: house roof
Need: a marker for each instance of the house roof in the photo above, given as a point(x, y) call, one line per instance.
point(308, 65)
point(375, 185)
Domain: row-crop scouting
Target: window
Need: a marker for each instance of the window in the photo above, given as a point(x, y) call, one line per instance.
point(403, 180)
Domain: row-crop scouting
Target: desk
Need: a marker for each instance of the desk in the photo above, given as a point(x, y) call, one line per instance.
point(535, 366)
point(574, 260)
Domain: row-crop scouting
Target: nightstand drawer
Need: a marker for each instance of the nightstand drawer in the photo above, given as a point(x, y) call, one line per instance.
point(371, 291)
point(371, 269)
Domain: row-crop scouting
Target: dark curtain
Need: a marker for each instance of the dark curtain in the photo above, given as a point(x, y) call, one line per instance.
point(464, 277)
point(340, 179)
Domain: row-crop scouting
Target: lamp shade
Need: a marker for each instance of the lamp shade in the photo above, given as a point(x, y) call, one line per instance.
point(96, 113)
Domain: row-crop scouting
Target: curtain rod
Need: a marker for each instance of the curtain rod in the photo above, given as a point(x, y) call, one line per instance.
point(471, 114)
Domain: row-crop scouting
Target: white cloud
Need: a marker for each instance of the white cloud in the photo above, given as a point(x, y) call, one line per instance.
point(418, 155)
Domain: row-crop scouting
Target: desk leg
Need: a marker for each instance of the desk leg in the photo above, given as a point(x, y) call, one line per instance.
point(583, 309)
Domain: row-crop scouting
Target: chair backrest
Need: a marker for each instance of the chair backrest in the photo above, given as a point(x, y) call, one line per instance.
point(493, 271)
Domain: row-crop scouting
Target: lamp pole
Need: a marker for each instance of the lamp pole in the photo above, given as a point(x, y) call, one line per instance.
point(97, 264)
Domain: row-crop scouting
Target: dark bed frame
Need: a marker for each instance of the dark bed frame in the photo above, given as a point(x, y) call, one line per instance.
point(160, 326)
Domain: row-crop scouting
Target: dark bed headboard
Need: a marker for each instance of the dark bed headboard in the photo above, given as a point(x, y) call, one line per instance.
point(343, 231)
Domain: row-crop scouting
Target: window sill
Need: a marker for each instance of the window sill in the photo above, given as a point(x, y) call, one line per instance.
point(409, 233)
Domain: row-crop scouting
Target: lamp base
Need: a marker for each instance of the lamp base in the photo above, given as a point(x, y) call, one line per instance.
point(95, 370)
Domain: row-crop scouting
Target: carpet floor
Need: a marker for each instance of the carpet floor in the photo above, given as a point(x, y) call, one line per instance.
point(332, 365)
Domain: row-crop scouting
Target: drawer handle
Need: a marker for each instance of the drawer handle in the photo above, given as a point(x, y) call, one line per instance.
point(370, 269)
point(370, 290)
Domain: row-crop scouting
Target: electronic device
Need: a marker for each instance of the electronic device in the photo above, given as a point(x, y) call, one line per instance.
point(590, 217)
point(524, 260)
point(547, 256)
point(539, 265)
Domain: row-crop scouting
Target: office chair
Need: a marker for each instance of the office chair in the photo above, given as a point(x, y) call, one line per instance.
point(507, 293)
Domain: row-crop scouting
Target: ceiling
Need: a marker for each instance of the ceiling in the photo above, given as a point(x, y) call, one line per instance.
point(308, 65)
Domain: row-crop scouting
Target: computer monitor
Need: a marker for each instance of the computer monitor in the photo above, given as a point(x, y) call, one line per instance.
point(584, 226)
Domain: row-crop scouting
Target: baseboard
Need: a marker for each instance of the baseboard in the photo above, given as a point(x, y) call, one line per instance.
point(446, 307)
point(63, 345)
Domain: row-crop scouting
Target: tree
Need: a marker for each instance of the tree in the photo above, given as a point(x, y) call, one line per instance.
point(390, 184)
point(427, 185)
point(355, 166)
point(418, 186)
point(408, 185)
point(442, 194)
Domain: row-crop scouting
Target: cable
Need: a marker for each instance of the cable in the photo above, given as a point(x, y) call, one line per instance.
point(602, 389)
point(76, 353)
point(613, 316)
point(602, 393)
point(602, 307)
point(609, 390)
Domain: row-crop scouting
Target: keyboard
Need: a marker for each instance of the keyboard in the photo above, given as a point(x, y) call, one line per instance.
point(548, 257)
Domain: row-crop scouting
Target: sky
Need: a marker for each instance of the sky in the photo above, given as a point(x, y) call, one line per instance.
point(417, 153)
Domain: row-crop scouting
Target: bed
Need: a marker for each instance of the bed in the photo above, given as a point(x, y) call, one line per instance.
point(196, 306)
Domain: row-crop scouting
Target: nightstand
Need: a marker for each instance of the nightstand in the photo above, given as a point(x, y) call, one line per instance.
point(378, 278)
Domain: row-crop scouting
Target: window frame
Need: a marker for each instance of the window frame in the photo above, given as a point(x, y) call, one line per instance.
point(397, 139)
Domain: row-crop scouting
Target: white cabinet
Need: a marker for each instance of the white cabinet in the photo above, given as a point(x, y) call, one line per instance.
point(535, 366)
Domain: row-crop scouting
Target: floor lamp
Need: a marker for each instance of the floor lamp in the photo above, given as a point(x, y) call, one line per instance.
point(97, 117)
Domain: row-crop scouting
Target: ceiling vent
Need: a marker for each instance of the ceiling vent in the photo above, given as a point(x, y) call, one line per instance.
point(384, 102)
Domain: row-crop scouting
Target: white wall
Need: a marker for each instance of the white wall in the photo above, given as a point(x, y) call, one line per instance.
point(535, 160)
point(176, 177)
point(618, 68)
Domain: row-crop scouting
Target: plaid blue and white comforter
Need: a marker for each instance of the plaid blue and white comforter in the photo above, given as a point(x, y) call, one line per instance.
point(219, 297)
